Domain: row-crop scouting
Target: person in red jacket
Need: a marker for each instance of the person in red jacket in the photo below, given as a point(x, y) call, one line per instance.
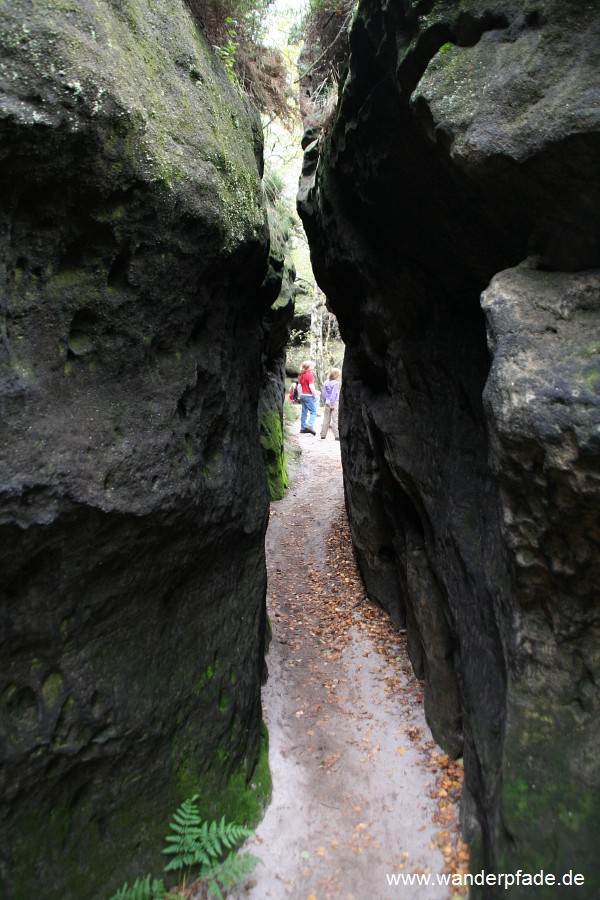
point(308, 398)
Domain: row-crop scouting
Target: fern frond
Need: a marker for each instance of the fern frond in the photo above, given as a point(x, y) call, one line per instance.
point(231, 871)
point(192, 842)
point(231, 833)
point(187, 816)
point(196, 843)
point(213, 840)
point(187, 836)
point(181, 861)
point(147, 888)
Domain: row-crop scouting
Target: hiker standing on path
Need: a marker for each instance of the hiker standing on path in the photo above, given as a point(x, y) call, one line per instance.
point(331, 396)
point(308, 398)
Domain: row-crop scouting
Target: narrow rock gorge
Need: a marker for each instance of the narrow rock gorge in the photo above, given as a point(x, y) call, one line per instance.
point(136, 336)
point(452, 204)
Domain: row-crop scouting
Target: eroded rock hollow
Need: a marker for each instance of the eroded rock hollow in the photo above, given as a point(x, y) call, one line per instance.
point(133, 495)
point(452, 206)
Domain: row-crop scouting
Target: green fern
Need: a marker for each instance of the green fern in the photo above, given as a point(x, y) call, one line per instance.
point(228, 873)
point(196, 843)
point(187, 828)
point(147, 888)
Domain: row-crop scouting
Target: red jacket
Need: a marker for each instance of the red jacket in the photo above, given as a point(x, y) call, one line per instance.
point(306, 379)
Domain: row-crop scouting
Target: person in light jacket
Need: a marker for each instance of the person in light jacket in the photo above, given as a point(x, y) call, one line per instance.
point(331, 397)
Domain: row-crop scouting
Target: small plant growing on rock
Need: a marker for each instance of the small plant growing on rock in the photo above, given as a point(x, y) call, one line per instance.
point(194, 843)
point(227, 51)
point(147, 888)
point(202, 852)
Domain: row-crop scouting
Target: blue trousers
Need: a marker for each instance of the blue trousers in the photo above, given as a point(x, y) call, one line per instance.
point(309, 411)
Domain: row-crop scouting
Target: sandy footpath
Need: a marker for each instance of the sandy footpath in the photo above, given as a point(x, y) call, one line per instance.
point(355, 771)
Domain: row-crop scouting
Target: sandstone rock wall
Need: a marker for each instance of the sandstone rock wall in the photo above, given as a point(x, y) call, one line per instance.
point(453, 214)
point(278, 302)
point(133, 496)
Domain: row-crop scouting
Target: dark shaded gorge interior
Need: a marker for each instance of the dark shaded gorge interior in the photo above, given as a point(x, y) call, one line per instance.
point(141, 354)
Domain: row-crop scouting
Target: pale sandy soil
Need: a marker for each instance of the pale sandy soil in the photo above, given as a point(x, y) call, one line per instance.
point(355, 771)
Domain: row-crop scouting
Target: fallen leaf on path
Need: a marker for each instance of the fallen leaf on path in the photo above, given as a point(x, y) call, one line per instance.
point(321, 612)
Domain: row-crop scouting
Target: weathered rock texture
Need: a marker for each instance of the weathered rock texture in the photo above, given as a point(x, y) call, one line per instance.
point(133, 496)
point(278, 296)
point(464, 162)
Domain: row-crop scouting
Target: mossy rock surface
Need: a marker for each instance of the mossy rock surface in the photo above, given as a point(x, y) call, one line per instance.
point(134, 498)
point(453, 213)
point(271, 438)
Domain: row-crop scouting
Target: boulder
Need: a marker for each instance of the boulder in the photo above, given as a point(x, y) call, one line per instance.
point(463, 163)
point(133, 495)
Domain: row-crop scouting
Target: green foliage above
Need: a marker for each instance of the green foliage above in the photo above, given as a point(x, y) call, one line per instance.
point(236, 30)
point(324, 28)
point(274, 186)
point(227, 51)
point(247, 15)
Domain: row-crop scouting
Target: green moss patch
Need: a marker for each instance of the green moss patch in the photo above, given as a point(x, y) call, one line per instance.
point(271, 439)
